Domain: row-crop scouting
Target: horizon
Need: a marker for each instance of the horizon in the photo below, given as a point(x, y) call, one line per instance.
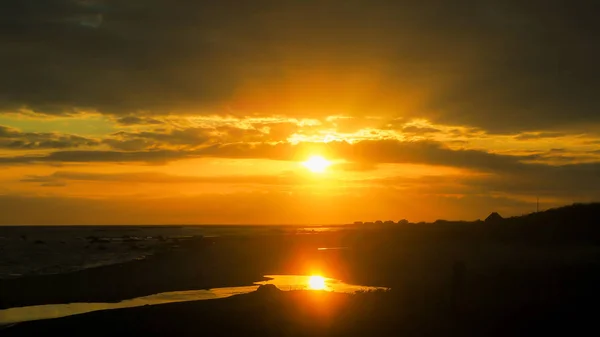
point(294, 111)
point(353, 223)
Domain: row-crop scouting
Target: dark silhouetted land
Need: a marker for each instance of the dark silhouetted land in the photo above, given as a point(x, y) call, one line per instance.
point(530, 275)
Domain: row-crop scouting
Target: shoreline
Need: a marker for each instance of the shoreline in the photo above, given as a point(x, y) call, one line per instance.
point(231, 261)
point(282, 283)
point(170, 270)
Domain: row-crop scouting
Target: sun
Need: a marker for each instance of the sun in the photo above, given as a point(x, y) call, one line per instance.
point(316, 283)
point(317, 164)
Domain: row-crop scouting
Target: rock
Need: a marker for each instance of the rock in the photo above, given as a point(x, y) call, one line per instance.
point(494, 217)
point(268, 289)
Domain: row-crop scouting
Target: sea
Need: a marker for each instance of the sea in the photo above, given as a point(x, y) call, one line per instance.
point(39, 250)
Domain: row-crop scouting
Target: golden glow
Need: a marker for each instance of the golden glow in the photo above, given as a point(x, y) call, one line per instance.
point(317, 164)
point(316, 283)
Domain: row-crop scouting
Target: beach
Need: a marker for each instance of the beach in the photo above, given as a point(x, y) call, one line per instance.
point(496, 279)
point(309, 313)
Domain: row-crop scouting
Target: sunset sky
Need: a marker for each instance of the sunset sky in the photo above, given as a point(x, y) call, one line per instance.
point(156, 111)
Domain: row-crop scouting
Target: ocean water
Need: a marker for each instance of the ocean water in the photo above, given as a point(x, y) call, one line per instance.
point(38, 250)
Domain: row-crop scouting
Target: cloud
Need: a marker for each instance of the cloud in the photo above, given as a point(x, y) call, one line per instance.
point(504, 66)
point(370, 152)
point(566, 182)
point(359, 156)
point(454, 196)
point(191, 137)
point(194, 137)
point(53, 184)
point(149, 157)
point(135, 120)
point(13, 139)
point(484, 173)
point(424, 152)
point(419, 130)
point(540, 135)
point(136, 144)
point(279, 131)
point(235, 134)
point(61, 177)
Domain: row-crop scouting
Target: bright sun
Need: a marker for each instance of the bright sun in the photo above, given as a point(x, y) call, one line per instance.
point(317, 164)
point(316, 283)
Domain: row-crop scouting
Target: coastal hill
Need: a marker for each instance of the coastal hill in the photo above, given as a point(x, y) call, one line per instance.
point(576, 213)
point(573, 223)
point(577, 223)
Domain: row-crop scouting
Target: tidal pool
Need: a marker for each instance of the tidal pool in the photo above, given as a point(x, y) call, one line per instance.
point(283, 282)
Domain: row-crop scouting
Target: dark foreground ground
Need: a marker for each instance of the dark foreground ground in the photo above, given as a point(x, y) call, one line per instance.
point(530, 276)
point(306, 313)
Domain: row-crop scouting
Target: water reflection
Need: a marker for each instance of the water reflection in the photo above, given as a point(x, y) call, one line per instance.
point(317, 283)
point(283, 282)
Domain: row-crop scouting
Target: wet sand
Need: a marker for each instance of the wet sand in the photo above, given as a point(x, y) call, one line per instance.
point(403, 260)
point(195, 264)
point(306, 313)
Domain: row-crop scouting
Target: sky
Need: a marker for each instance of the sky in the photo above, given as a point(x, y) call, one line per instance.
point(205, 112)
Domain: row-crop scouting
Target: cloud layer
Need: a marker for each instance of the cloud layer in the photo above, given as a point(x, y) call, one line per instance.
point(462, 104)
point(499, 65)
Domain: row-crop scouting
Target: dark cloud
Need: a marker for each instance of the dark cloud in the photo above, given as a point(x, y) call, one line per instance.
point(419, 130)
point(61, 177)
point(194, 137)
point(150, 157)
point(504, 66)
point(367, 152)
point(540, 135)
point(235, 134)
point(136, 144)
point(566, 182)
point(568, 157)
point(424, 152)
point(14, 139)
point(188, 137)
point(489, 173)
point(135, 120)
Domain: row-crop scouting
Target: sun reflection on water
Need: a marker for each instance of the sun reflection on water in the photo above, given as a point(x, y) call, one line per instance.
point(283, 282)
point(316, 282)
